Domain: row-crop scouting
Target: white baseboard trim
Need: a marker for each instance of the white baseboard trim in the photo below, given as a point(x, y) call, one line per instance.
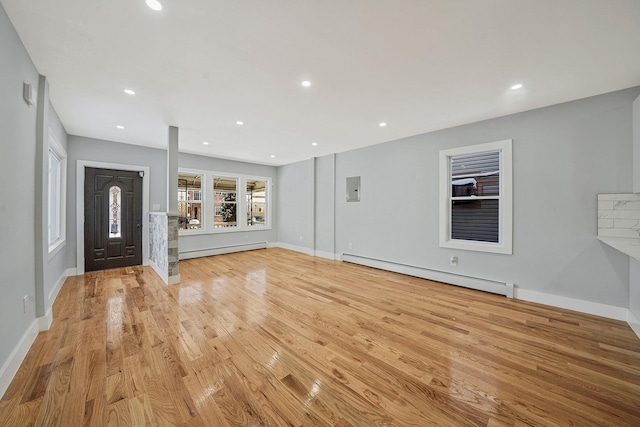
point(507, 289)
point(425, 273)
point(327, 255)
point(44, 322)
point(56, 288)
point(223, 250)
point(588, 307)
point(11, 366)
point(174, 280)
point(634, 322)
point(290, 247)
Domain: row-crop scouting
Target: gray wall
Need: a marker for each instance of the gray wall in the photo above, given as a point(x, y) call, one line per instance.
point(216, 240)
point(17, 202)
point(325, 204)
point(634, 264)
point(563, 156)
point(81, 148)
point(295, 205)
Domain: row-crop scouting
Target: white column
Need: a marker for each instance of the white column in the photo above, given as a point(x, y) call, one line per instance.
point(172, 171)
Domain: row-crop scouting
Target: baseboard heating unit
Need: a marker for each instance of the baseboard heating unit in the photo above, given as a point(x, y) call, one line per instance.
point(495, 287)
point(198, 253)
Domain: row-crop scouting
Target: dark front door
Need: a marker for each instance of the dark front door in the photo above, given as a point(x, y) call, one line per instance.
point(112, 219)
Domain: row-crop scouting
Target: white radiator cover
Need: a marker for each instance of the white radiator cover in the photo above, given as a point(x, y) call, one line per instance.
point(222, 250)
point(495, 287)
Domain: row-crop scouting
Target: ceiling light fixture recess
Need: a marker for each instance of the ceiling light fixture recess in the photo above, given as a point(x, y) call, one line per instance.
point(239, 123)
point(154, 4)
point(272, 156)
point(382, 124)
point(306, 83)
point(129, 92)
point(314, 144)
point(120, 127)
point(516, 86)
point(205, 143)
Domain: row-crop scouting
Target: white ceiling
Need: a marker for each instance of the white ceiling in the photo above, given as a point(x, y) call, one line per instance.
point(419, 65)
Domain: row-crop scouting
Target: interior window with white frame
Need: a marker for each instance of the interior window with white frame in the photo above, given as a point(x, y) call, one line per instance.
point(476, 197)
point(225, 202)
point(222, 202)
point(256, 198)
point(57, 159)
point(190, 201)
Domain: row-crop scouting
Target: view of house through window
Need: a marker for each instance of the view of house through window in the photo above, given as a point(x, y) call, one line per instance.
point(190, 200)
point(218, 202)
point(225, 191)
point(256, 202)
point(476, 197)
point(475, 192)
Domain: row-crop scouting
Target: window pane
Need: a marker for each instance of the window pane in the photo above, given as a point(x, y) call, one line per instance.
point(190, 200)
point(54, 197)
point(475, 174)
point(256, 202)
point(476, 220)
point(115, 204)
point(225, 192)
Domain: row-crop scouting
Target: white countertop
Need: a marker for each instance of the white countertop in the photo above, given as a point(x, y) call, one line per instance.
point(627, 245)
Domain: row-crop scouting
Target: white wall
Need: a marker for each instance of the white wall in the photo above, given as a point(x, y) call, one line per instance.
point(563, 156)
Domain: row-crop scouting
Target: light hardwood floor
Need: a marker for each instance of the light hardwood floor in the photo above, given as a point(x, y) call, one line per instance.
point(277, 338)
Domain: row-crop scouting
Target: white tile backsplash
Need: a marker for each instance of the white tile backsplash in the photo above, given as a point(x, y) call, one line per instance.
point(605, 223)
point(618, 232)
point(626, 205)
point(605, 205)
point(619, 215)
point(622, 196)
point(633, 224)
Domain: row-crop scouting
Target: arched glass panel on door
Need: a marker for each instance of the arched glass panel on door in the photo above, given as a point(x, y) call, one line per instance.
point(115, 204)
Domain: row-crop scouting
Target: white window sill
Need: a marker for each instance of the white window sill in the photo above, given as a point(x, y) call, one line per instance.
point(469, 245)
point(56, 247)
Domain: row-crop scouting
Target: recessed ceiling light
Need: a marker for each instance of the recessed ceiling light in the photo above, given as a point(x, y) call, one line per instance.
point(314, 144)
point(516, 86)
point(205, 143)
point(382, 124)
point(120, 127)
point(129, 92)
point(306, 83)
point(239, 123)
point(272, 156)
point(154, 4)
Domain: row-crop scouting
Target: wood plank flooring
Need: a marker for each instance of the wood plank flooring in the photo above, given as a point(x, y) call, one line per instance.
point(277, 338)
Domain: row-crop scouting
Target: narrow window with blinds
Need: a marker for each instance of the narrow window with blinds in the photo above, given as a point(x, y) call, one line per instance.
point(475, 197)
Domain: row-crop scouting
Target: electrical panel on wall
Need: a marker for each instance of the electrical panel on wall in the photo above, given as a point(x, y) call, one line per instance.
point(353, 189)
